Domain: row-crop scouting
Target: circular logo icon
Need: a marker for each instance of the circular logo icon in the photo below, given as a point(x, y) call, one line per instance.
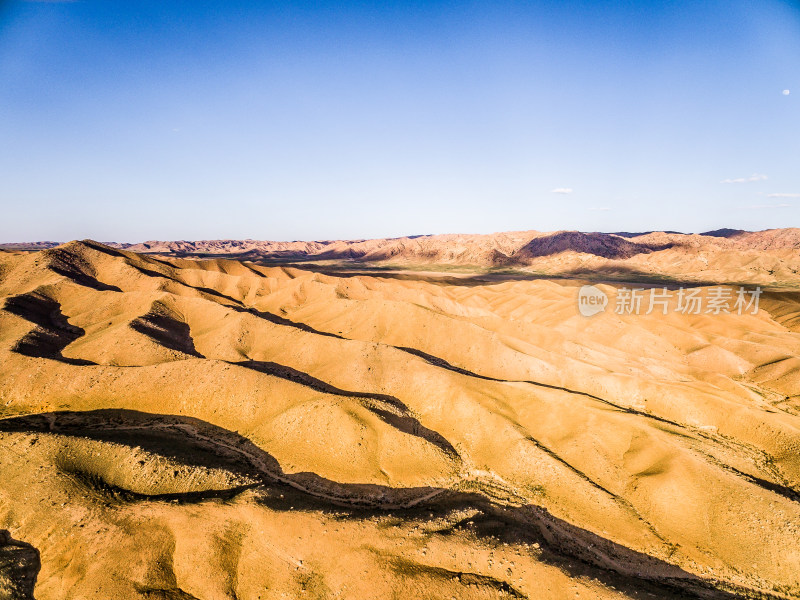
point(591, 300)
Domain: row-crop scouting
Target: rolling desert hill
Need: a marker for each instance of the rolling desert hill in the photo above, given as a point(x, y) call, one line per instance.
point(178, 427)
point(726, 255)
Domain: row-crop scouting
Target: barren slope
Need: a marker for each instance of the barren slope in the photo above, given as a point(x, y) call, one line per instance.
point(721, 256)
point(176, 428)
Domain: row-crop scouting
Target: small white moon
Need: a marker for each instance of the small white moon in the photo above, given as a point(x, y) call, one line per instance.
point(785, 92)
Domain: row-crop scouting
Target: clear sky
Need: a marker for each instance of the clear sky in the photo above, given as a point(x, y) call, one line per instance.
point(130, 121)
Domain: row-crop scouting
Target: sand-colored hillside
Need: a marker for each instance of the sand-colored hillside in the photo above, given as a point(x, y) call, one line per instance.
point(767, 257)
point(213, 429)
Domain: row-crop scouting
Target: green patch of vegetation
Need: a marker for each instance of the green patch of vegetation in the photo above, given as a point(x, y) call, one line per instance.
point(536, 489)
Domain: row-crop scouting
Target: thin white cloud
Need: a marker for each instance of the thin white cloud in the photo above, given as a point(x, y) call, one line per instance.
point(561, 191)
point(753, 177)
point(783, 195)
point(760, 206)
point(599, 208)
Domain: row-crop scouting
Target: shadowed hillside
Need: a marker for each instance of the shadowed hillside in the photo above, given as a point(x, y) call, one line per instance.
point(172, 427)
point(724, 255)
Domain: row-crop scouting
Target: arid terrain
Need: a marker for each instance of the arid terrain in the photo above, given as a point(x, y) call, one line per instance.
point(426, 417)
point(724, 255)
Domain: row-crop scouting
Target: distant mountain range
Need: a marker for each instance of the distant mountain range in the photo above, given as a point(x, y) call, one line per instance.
point(495, 248)
point(719, 255)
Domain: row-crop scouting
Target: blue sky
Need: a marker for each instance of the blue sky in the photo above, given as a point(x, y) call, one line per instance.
point(144, 120)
